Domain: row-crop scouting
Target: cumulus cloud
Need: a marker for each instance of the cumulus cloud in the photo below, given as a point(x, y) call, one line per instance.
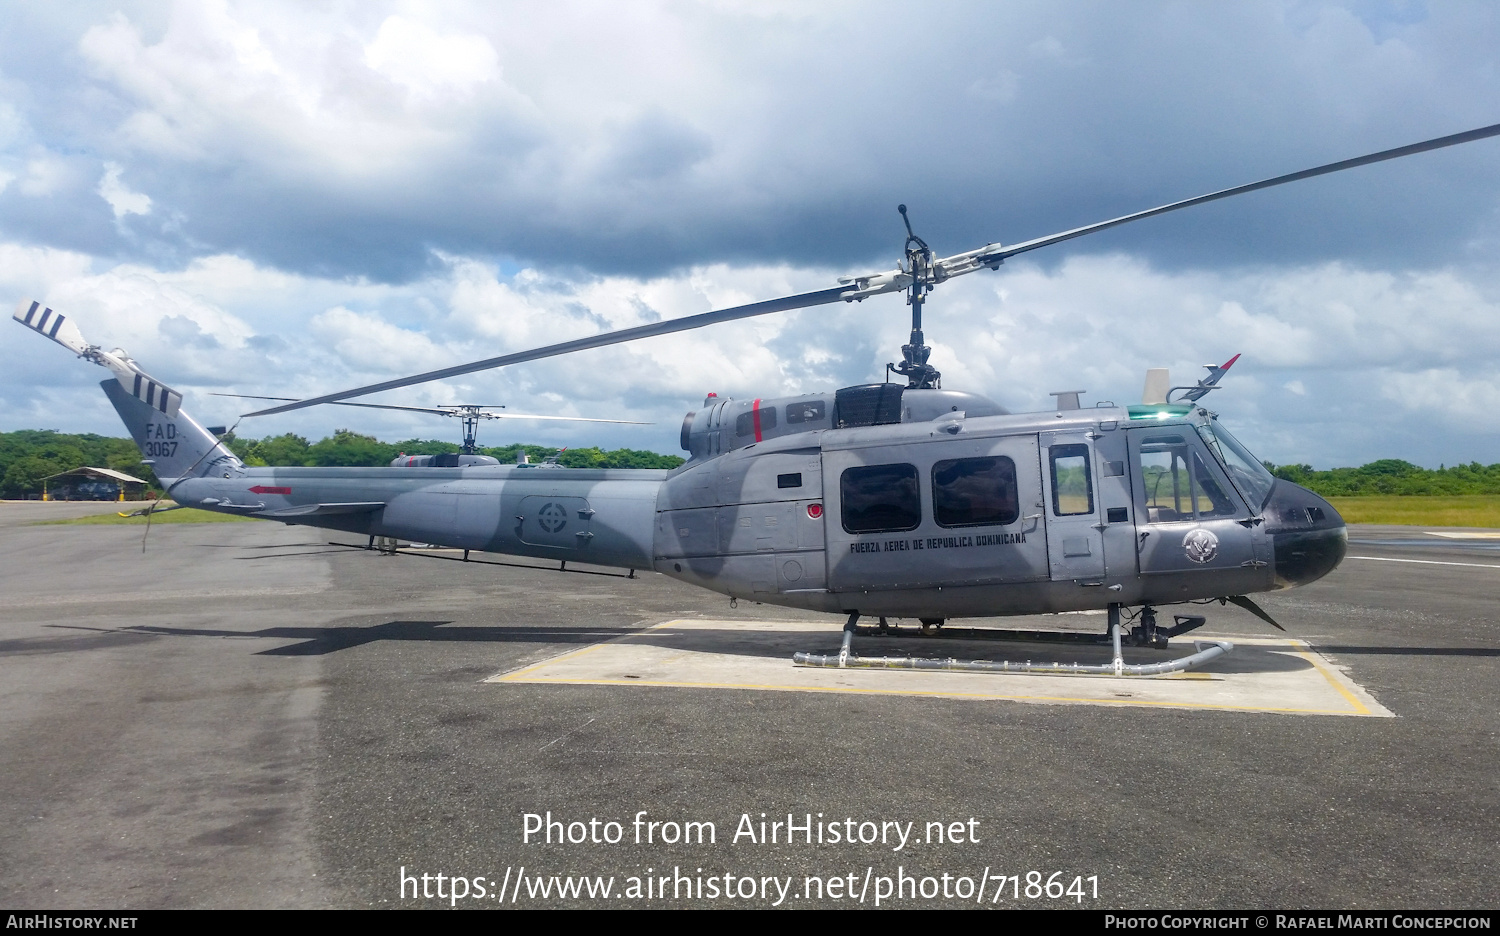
point(1093, 323)
point(430, 65)
point(43, 176)
point(355, 139)
point(121, 199)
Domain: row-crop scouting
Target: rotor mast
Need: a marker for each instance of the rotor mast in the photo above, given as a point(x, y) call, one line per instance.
point(919, 374)
point(470, 416)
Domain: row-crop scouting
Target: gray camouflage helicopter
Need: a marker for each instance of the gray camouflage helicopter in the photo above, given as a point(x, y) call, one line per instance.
point(879, 500)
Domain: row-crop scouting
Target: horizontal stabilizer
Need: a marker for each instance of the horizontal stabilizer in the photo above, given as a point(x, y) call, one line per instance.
point(54, 325)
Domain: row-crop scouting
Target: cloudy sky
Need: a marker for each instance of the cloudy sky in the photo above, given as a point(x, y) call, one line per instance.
point(290, 199)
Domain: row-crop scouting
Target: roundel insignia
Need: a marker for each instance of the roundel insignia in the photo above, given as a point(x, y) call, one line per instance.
point(1200, 545)
point(552, 517)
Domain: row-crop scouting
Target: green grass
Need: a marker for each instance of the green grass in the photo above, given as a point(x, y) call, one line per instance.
point(1463, 510)
point(162, 515)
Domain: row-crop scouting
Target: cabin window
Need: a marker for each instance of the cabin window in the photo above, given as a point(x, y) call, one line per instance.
point(880, 499)
point(1177, 483)
point(744, 424)
point(1072, 482)
point(974, 492)
point(807, 411)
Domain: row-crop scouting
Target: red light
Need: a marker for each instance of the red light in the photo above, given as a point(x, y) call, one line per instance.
point(712, 395)
point(815, 510)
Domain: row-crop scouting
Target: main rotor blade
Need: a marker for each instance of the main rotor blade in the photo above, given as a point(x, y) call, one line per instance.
point(801, 301)
point(879, 283)
point(627, 422)
point(390, 406)
point(1011, 250)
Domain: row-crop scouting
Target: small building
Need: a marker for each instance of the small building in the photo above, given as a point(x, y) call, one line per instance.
point(92, 484)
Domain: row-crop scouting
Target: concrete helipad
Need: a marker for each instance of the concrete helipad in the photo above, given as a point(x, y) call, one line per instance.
point(1261, 674)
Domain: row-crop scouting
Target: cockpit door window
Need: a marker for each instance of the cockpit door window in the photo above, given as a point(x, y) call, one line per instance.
point(1177, 484)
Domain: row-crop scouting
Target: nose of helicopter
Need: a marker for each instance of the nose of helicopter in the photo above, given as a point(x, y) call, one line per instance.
point(1307, 535)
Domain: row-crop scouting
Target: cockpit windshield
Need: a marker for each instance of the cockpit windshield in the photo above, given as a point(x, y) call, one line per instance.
point(1245, 470)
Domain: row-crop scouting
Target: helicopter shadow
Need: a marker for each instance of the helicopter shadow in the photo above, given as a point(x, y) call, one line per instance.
point(729, 640)
point(319, 641)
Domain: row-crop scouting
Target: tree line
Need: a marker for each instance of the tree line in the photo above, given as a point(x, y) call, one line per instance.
point(29, 455)
point(351, 450)
point(1393, 476)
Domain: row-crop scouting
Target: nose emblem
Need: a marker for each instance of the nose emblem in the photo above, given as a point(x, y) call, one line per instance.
point(1200, 545)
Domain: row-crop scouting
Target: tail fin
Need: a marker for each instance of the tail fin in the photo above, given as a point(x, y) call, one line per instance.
point(171, 442)
point(174, 445)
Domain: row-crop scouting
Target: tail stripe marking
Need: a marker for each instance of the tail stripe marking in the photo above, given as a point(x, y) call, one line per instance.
point(30, 312)
point(56, 324)
point(41, 323)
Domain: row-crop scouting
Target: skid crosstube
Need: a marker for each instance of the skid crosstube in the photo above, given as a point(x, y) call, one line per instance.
point(1205, 650)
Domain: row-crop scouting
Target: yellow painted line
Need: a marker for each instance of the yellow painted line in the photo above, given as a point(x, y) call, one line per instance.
point(1292, 644)
point(517, 674)
point(931, 693)
point(1462, 536)
point(507, 677)
point(1350, 697)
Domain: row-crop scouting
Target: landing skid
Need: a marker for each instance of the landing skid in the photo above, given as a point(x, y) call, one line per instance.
point(1147, 633)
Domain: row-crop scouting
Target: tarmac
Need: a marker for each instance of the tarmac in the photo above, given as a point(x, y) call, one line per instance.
point(243, 715)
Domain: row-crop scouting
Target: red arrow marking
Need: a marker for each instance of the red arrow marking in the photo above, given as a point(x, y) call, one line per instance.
point(259, 489)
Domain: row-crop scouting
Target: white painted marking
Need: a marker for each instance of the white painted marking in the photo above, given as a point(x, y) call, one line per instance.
point(1462, 536)
point(565, 734)
point(1471, 565)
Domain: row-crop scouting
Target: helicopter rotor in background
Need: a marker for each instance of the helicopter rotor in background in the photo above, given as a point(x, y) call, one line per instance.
point(470, 413)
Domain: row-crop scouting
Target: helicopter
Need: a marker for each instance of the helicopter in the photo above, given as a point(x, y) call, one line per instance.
point(881, 500)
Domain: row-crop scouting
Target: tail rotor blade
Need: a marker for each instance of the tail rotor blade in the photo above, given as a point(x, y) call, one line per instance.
point(60, 328)
point(54, 325)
